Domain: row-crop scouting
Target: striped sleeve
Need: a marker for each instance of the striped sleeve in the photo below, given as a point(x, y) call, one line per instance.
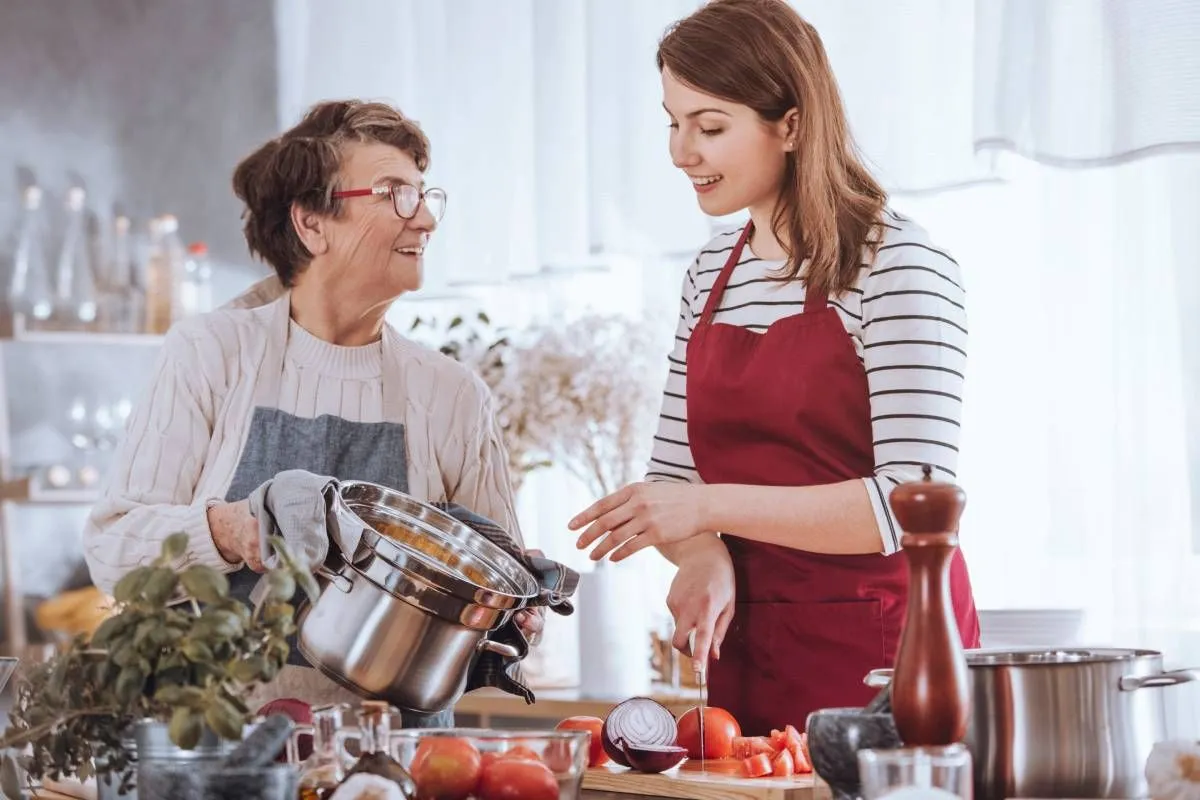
point(914, 337)
point(671, 456)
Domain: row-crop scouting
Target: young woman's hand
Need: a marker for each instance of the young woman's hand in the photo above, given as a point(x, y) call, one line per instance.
point(641, 515)
point(701, 600)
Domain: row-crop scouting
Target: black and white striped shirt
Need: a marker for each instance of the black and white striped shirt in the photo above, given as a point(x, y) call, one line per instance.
point(906, 316)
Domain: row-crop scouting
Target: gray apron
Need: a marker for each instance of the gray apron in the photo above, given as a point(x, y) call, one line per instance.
point(325, 445)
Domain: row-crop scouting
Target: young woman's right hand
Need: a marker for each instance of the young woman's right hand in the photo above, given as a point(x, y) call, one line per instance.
point(235, 533)
point(701, 599)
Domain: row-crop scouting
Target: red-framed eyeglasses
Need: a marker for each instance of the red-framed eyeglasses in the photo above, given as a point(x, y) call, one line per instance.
point(406, 199)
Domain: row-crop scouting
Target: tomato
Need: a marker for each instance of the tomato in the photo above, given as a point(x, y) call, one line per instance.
point(757, 766)
point(521, 751)
point(518, 779)
point(446, 768)
point(720, 729)
point(596, 754)
point(782, 764)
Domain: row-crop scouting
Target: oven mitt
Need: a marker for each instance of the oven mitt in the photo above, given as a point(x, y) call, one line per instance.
point(293, 504)
point(556, 583)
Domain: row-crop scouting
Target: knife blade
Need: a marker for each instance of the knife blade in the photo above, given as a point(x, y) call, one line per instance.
point(698, 668)
point(702, 679)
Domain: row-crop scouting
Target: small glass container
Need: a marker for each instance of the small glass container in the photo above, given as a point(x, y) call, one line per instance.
point(916, 773)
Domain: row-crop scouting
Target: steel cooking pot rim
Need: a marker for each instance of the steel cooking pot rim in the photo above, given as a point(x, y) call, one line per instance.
point(519, 584)
point(985, 657)
point(394, 553)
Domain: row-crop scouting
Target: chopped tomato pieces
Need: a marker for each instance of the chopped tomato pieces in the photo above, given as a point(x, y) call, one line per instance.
point(781, 754)
point(757, 766)
point(746, 746)
point(782, 764)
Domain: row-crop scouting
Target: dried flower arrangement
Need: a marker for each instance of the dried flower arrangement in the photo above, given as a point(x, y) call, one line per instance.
point(583, 394)
point(491, 354)
point(594, 385)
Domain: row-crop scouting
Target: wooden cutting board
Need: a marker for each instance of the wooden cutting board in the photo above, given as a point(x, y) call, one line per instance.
point(709, 780)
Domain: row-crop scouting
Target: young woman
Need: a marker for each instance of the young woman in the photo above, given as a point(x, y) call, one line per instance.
point(818, 362)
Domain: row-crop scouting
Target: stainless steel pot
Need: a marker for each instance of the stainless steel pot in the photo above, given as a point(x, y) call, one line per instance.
point(405, 622)
point(1063, 723)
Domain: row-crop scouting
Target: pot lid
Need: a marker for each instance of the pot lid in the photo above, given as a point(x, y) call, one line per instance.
point(1065, 655)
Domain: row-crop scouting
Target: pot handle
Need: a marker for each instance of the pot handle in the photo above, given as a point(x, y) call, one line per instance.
point(878, 678)
point(499, 648)
point(1174, 678)
point(338, 579)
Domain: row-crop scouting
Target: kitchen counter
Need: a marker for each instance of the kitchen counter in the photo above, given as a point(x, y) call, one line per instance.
point(714, 780)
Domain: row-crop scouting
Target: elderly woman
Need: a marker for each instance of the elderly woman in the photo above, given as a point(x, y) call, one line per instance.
point(303, 372)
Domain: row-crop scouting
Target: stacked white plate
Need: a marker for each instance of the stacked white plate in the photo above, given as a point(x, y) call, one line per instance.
point(1029, 627)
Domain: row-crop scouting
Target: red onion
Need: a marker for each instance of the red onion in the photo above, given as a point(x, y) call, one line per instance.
point(638, 722)
point(654, 757)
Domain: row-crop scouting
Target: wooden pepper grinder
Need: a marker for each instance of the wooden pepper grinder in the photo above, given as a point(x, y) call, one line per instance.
point(930, 695)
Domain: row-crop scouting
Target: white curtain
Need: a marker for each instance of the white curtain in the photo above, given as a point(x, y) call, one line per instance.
point(1048, 144)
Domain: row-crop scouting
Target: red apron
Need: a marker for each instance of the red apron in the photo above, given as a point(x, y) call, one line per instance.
point(790, 407)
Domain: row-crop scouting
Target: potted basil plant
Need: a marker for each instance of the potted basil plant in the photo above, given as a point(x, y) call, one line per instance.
point(177, 660)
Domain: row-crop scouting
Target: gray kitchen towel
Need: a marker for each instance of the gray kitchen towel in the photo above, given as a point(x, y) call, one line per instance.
point(295, 504)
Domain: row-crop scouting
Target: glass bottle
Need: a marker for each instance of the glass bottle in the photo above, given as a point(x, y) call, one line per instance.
point(29, 289)
point(195, 291)
point(123, 310)
point(75, 306)
point(164, 271)
point(374, 732)
point(322, 771)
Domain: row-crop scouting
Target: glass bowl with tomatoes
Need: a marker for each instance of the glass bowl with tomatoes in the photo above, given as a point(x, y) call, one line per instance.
point(486, 764)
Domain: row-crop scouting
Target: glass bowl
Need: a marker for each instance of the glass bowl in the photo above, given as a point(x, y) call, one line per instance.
point(192, 780)
point(549, 764)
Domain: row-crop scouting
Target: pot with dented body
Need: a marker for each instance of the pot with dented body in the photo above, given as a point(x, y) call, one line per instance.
point(408, 597)
point(1072, 722)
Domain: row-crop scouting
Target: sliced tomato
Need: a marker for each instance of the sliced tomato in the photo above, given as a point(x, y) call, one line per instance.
point(782, 765)
point(746, 746)
point(757, 766)
point(800, 755)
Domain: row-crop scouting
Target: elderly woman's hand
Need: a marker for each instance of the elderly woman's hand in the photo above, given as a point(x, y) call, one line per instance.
point(532, 620)
point(235, 533)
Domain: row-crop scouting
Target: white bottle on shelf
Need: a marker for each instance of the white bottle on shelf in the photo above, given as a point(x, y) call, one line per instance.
point(195, 291)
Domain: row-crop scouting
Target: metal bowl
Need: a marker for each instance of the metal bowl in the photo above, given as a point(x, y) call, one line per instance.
point(435, 547)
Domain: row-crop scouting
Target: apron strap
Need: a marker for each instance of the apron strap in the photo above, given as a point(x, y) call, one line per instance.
point(270, 370)
point(718, 289)
point(814, 301)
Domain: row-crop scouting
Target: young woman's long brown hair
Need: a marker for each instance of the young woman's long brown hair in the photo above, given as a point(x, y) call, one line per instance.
point(762, 54)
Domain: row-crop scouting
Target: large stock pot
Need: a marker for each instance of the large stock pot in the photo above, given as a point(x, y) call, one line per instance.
point(1075, 722)
point(406, 610)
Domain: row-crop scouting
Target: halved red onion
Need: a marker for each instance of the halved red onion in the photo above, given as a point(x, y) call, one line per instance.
point(638, 722)
point(653, 757)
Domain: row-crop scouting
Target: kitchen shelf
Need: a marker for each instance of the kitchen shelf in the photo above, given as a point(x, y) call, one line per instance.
point(21, 490)
point(21, 334)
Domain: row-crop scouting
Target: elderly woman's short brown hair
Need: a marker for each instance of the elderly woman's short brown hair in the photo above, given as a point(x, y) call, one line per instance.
point(301, 166)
